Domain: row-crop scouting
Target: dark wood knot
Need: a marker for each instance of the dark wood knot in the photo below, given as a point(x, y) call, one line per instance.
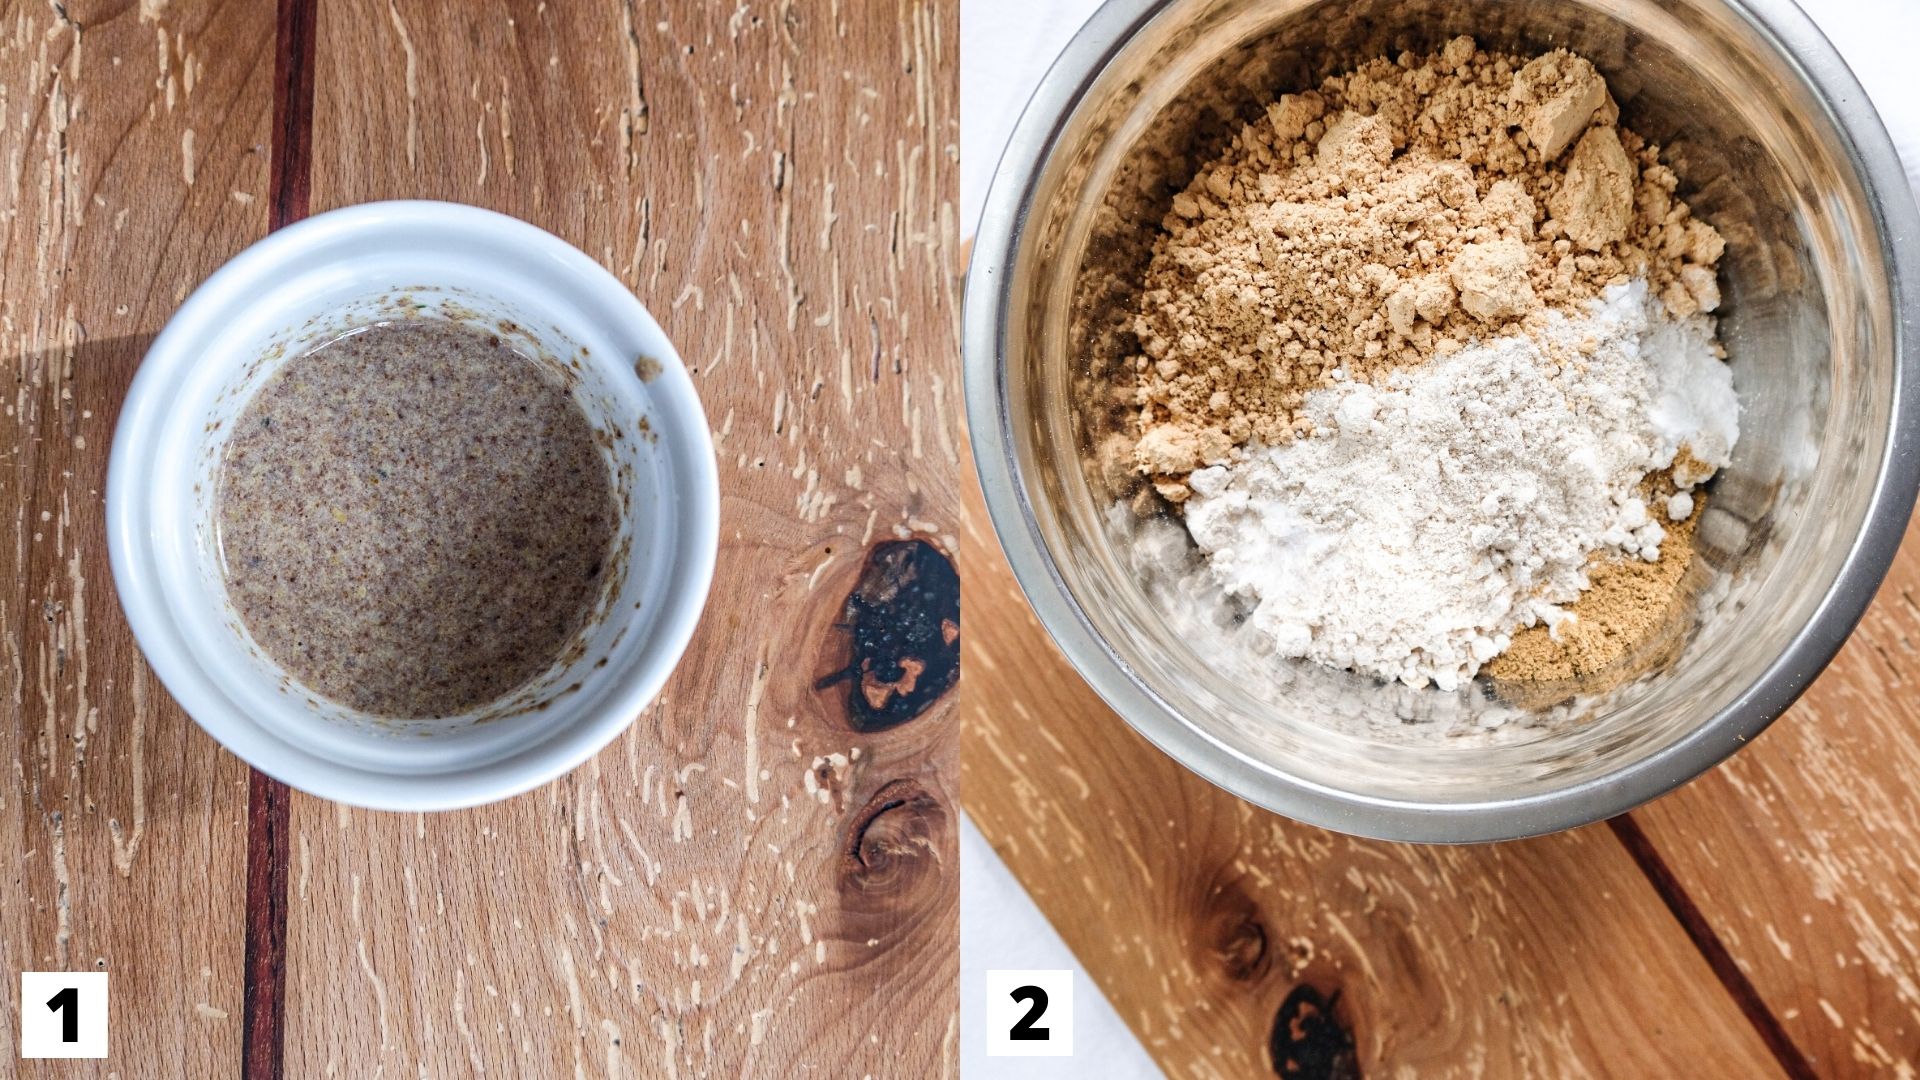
point(1310, 1040)
point(1233, 932)
point(1240, 941)
point(894, 842)
point(903, 618)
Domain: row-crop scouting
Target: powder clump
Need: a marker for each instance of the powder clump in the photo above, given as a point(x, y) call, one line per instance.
point(1558, 93)
point(1491, 276)
point(1594, 201)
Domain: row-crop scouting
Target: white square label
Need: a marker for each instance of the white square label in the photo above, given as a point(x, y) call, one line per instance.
point(1029, 1013)
point(63, 1014)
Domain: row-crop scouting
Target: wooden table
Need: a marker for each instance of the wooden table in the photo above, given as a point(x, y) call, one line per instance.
point(1762, 921)
point(757, 878)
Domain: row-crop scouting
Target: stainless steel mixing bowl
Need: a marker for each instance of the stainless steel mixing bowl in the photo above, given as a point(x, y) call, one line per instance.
point(1776, 145)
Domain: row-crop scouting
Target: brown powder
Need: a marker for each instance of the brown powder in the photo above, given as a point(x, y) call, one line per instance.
point(1396, 212)
point(1629, 600)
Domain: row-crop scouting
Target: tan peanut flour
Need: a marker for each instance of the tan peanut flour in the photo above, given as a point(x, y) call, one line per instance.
point(1397, 213)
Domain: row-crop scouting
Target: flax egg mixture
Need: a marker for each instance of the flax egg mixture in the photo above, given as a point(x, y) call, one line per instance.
point(414, 519)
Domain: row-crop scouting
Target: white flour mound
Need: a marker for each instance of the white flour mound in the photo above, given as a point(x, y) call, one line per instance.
point(1430, 517)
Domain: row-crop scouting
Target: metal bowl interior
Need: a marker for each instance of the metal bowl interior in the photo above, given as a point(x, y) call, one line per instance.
point(1775, 145)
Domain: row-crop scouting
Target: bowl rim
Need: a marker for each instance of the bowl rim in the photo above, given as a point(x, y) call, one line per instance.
point(136, 567)
point(1002, 227)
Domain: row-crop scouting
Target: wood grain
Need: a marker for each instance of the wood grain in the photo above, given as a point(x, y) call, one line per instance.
point(744, 883)
point(1794, 869)
point(1206, 920)
point(132, 162)
point(1803, 850)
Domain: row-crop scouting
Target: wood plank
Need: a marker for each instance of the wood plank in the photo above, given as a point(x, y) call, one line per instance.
point(1206, 920)
point(743, 884)
point(1803, 851)
point(132, 163)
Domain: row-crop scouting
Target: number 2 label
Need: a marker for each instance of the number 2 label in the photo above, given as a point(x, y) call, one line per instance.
point(1024, 1029)
point(1029, 1013)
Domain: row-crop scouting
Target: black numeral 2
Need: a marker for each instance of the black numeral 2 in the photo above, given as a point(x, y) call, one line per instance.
point(67, 1004)
point(1037, 1007)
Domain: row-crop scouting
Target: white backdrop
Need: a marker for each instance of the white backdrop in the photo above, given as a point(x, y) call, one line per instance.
point(1005, 48)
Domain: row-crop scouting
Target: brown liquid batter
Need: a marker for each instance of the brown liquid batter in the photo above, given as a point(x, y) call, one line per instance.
point(414, 519)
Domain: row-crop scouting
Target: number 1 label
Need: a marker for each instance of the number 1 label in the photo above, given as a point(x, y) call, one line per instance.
point(1029, 1013)
point(63, 1014)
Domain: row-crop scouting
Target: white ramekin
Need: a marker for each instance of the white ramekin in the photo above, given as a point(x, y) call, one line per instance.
point(290, 291)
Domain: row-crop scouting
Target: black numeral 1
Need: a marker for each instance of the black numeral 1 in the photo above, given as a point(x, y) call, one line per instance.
point(1036, 1008)
point(67, 1004)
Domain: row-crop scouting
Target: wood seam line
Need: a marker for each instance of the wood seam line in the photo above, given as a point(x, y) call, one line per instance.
point(291, 162)
point(262, 1048)
point(1648, 858)
point(269, 840)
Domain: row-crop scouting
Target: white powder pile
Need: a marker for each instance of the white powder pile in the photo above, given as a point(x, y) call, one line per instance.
point(1429, 517)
